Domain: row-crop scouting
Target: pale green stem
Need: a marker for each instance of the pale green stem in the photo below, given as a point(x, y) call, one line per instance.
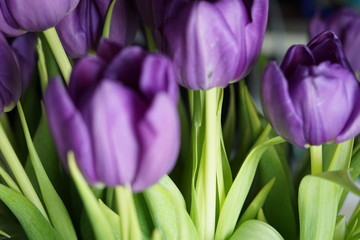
point(316, 159)
point(107, 25)
point(210, 151)
point(129, 223)
point(19, 172)
point(8, 180)
point(59, 53)
point(42, 65)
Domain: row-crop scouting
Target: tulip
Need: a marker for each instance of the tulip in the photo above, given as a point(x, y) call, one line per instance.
point(346, 25)
point(15, 69)
point(18, 16)
point(214, 42)
point(312, 97)
point(81, 30)
point(118, 116)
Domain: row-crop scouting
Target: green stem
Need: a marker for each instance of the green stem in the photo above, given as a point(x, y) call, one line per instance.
point(19, 172)
point(316, 159)
point(210, 151)
point(107, 25)
point(150, 39)
point(129, 223)
point(59, 53)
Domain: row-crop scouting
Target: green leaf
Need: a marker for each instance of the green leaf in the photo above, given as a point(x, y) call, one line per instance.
point(257, 203)
point(112, 217)
point(96, 216)
point(30, 218)
point(56, 209)
point(256, 230)
point(318, 207)
point(342, 156)
point(168, 212)
point(343, 178)
point(237, 194)
point(340, 228)
point(8, 180)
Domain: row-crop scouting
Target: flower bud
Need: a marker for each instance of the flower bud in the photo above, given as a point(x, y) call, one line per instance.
point(81, 30)
point(119, 116)
point(312, 97)
point(19, 16)
point(214, 42)
point(346, 25)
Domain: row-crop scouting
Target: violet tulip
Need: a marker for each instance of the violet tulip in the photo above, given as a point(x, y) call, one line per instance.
point(19, 16)
point(119, 116)
point(15, 69)
point(213, 43)
point(81, 30)
point(312, 98)
point(346, 25)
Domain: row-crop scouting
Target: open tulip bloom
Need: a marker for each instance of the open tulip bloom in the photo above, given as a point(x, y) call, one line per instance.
point(129, 120)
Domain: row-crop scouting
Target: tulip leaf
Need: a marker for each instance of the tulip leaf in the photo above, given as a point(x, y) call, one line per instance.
point(4, 234)
point(96, 216)
point(112, 217)
point(343, 178)
point(108, 18)
point(30, 218)
point(56, 209)
point(257, 203)
point(318, 207)
point(256, 230)
point(168, 212)
point(8, 180)
point(342, 156)
point(353, 223)
point(340, 229)
point(235, 199)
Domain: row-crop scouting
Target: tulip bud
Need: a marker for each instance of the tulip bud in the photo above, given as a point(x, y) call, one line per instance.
point(312, 97)
point(214, 42)
point(15, 69)
point(19, 16)
point(81, 30)
point(118, 116)
point(346, 25)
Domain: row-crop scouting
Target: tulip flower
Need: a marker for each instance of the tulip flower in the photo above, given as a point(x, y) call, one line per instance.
point(119, 116)
point(81, 30)
point(15, 69)
point(213, 43)
point(346, 25)
point(19, 16)
point(312, 98)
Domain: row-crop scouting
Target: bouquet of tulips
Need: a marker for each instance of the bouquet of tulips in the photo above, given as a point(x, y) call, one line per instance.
point(132, 120)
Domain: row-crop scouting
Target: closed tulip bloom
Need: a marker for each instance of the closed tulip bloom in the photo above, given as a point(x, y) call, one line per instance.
point(19, 16)
point(213, 43)
point(118, 116)
point(345, 23)
point(312, 98)
point(81, 30)
point(15, 69)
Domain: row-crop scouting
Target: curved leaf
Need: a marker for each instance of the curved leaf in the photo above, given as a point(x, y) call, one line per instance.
point(256, 230)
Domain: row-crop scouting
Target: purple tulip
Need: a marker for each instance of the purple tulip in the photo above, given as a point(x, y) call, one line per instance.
point(15, 69)
point(19, 16)
point(214, 42)
point(119, 116)
point(312, 98)
point(81, 30)
point(346, 25)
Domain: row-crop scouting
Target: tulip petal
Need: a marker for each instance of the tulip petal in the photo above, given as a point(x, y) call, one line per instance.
point(295, 56)
point(159, 133)
point(324, 98)
point(205, 55)
point(24, 48)
point(85, 77)
point(278, 106)
point(69, 129)
point(158, 75)
point(10, 75)
point(112, 116)
point(38, 15)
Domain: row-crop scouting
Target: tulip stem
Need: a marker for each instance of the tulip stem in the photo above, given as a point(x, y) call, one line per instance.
point(129, 223)
point(150, 39)
point(210, 154)
point(316, 159)
point(59, 53)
